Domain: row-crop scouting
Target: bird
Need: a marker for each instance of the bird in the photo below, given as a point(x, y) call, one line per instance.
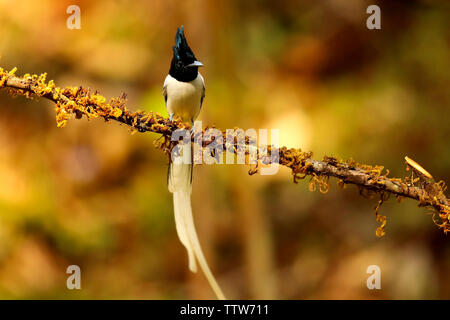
point(184, 92)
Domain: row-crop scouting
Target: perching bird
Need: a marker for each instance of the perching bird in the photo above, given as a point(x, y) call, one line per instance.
point(184, 90)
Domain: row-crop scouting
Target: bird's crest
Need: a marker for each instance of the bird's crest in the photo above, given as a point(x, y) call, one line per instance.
point(181, 49)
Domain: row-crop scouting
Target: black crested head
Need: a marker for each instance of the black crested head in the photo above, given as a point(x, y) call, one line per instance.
point(184, 65)
point(181, 49)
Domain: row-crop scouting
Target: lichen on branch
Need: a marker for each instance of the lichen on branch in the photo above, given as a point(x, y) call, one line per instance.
point(76, 102)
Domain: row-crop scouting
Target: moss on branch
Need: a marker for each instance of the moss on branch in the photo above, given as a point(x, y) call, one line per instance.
point(76, 102)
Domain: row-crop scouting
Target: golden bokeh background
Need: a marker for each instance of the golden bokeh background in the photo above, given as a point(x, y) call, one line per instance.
point(93, 195)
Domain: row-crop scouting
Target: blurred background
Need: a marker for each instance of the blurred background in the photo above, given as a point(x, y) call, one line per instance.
point(93, 195)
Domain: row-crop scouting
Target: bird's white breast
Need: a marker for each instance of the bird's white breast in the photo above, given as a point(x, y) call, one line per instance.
point(184, 98)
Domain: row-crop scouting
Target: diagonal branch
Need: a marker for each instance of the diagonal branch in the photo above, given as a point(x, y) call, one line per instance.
point(76, 102)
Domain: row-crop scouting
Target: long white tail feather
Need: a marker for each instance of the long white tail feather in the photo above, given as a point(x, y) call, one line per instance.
point(180, 178)
point(182, 225)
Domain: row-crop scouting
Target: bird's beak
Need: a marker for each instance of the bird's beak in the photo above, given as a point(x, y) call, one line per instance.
point(195, 64)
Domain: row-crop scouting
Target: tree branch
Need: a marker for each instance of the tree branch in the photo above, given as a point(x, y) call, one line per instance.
point(76, 102)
